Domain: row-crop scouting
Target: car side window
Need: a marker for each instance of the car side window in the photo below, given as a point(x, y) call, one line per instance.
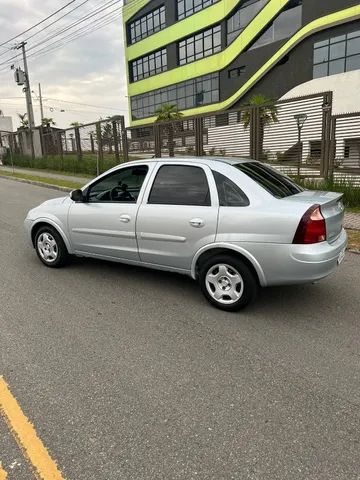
point(180, 185)
point(122, 186)
point(230, 195)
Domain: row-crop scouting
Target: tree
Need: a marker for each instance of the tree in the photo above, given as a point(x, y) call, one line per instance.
point(268, 113)
point(76, 124)
point(45, 122)
point(169, 113)
point(107, 136)
point(24, 122)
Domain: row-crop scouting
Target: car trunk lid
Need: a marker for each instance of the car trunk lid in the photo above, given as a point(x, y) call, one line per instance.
point(331, 206)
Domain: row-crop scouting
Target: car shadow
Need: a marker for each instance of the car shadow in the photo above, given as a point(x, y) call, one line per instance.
point(277, 300)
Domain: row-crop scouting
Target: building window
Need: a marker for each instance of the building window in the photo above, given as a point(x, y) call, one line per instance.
point(284, 26)
point(149, 65)
point(200, 45)
point(185, 8)
point(236, 72)
point(337, 55)
point(189, 94)
point(242, 17)
point(147, 25)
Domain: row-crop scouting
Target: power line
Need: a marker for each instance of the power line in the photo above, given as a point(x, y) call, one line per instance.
point(74, 24)
point(55, 21)
point(37, 24)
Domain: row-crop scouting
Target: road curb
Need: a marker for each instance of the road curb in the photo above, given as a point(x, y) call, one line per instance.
point(38, 184)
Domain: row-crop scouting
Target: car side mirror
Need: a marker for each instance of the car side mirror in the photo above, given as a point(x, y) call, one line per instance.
point(77, 196)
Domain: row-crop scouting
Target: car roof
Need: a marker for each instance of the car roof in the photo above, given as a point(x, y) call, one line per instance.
point(191, 159)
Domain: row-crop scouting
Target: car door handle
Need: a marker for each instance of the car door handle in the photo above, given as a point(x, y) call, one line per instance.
point(125, 218)
point(197, 222)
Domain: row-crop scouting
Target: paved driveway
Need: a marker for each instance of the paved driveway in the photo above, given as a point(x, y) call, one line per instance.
point(129, 373)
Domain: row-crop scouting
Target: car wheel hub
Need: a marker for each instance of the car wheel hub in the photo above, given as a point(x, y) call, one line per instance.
point(47, 247)
point(224, 283)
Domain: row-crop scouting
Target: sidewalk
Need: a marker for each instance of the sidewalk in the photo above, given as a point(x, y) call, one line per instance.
point(45, 173)
point(352, 221)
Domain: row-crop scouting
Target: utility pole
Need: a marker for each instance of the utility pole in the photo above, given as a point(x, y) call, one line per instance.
point(29, 105)
point(41, 104)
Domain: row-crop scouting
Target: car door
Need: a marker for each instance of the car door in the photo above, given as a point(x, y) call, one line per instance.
point(104, 224)
point(178, 215)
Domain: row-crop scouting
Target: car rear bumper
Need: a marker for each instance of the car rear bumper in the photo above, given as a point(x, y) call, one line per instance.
point(296, 264)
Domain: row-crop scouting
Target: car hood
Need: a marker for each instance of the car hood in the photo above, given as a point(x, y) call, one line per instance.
point(54, 201)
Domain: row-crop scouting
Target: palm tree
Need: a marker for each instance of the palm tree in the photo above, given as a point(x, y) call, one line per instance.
point(169, 113)
point(45, 122)
point(268, 112)
point(24, 122)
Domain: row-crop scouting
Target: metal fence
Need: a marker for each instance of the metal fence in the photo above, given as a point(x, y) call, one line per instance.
point(299, 137)
point(293, 135)
point(91, 148)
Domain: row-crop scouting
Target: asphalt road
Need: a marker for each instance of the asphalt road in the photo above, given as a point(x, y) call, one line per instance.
point(129, 374)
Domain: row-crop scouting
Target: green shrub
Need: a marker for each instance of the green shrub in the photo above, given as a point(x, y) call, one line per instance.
point(67, 163)
point(351, 192)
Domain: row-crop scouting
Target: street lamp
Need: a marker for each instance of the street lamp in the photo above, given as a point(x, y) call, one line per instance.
point(300, 121)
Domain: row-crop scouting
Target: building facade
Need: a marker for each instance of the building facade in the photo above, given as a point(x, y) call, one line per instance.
point(213, 55)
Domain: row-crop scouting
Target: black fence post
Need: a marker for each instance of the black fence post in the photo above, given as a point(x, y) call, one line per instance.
point(78, 143)
point(99, 141)
point(326, 135)
point(124, 139)
point(116, 140)
point(157, 140)
point(199, 138)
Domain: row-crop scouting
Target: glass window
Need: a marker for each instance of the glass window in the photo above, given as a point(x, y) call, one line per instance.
point(353, 63)
point(198, 91)
point(272, 181)
point(284, 26)
point(230, 195)
point(121, 186)
point(353, 46)
point(149, 65)
point(337, 55)
point(180, 185)
point(337, 50)
point(321, 55)
point(185, 8)
point(200, 45)
point(150, 23)
point(337, 66)
point(321, 70)
point(242, 17)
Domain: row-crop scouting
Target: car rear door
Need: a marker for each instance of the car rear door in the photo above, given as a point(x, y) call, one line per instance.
point(178, 215)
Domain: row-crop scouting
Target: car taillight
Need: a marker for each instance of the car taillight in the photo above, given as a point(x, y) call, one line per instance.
point(312, 227)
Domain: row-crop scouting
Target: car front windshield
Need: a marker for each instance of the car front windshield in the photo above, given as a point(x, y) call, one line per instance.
point(272, 181)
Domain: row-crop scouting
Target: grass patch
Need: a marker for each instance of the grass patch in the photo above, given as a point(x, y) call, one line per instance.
point(46, 180)
point(353, 239)
point(351, 193)
point(68, 164)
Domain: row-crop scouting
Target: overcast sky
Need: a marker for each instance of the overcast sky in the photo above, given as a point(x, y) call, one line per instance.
point(90, 70)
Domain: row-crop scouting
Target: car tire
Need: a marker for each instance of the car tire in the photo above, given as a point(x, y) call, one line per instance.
point(228, 283)
point(50, 247)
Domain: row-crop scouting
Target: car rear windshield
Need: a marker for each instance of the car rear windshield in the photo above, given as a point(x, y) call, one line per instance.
point(272, 181)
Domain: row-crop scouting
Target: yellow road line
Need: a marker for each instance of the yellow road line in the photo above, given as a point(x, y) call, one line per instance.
point(3, 474)
point(26, 437)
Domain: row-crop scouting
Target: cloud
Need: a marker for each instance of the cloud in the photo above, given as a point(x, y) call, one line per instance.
point(90, 70)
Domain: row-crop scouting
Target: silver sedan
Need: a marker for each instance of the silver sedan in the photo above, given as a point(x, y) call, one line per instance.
point(234, 225)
